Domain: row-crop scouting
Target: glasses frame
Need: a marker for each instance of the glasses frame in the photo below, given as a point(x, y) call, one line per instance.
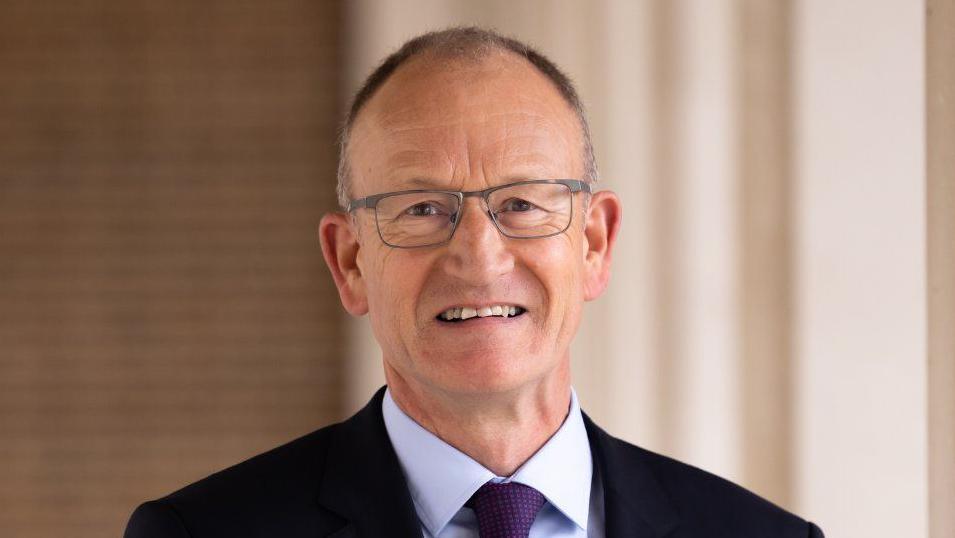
point(371, 202)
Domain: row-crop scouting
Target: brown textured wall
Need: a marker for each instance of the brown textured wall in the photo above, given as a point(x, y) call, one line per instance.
point(164, 310)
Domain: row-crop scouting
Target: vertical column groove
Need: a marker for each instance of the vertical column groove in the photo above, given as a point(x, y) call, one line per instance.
point(940, 122)
point(666, 192)
point(765, 234)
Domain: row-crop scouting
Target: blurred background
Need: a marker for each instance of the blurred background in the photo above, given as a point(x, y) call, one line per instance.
point(782, 306)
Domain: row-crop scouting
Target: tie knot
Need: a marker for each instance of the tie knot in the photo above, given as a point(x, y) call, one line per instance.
point(505, 510)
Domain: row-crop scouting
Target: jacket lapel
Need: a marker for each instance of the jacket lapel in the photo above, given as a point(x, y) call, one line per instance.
point(363, 481)
point(635, 504)
point(364, 484)
point(348, 531)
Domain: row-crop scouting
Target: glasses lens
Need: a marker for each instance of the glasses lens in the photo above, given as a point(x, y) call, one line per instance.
point(416, 219)
point(532, 210)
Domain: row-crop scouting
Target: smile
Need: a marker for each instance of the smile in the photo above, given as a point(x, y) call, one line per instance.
point(462, 313)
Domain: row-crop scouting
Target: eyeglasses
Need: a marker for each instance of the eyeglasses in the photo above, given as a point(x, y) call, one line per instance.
point(521, 210)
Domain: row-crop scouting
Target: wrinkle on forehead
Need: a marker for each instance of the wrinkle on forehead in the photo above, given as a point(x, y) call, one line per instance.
point(409, 163)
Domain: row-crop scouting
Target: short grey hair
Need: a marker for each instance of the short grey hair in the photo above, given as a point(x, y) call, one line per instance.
point(459, 43)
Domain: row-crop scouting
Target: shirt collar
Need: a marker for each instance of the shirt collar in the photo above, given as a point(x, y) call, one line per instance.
point(441, 478)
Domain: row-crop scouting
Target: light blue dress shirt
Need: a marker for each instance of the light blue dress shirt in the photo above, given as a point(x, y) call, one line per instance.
point(441, 479)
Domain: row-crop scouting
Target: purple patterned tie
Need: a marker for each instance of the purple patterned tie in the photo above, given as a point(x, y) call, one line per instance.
point(505, 510)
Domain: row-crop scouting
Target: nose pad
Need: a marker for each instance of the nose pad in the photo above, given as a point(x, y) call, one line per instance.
point(487, 211)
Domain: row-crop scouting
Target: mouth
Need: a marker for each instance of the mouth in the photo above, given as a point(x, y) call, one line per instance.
point(460, 314)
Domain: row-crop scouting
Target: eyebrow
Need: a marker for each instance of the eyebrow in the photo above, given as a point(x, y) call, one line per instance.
point(426, 183)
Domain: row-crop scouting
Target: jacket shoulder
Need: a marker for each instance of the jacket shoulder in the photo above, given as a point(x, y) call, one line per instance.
point(155, 519)
point(707, 504)
point(280, 484)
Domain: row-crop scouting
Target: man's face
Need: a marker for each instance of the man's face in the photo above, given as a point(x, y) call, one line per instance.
point(470, 126)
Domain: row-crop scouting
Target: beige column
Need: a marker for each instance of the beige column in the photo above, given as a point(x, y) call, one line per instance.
point(940, 115)
point(860, 332)
point(704, 388)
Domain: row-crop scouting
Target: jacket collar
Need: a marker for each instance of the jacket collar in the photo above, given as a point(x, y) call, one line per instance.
point(363, 483)
point(561, 469)
point(635, 503)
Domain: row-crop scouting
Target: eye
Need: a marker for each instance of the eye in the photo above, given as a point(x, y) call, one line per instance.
point(425, 209)
point(516, 205)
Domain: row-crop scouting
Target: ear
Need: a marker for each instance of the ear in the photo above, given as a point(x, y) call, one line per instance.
point(600, 235)
point(340, 246)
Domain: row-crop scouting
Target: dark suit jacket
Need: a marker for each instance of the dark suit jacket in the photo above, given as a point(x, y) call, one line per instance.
point(345, 481)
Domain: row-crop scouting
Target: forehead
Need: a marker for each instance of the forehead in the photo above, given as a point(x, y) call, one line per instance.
point(464, 122)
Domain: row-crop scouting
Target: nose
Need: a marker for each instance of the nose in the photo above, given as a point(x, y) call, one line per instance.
point(477, 254)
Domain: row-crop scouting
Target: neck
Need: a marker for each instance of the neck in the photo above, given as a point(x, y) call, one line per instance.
point(501, 430)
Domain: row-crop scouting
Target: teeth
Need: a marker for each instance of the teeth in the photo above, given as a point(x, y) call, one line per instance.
point(465, 312)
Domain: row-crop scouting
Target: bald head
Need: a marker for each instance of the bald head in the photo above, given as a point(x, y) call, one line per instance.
point(462, 51)
point(466, 124)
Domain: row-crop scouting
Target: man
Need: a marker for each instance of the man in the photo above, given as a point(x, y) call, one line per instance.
point(471, 236)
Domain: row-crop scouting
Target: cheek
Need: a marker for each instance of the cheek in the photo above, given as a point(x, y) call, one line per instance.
point(559, 267)
point(394, 285)
point(383, 291)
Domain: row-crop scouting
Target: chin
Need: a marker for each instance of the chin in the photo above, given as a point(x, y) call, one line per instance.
point(478, 373)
